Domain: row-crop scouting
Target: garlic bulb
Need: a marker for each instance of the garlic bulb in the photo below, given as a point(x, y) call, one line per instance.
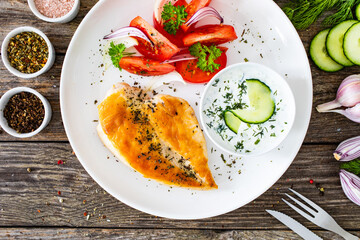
point(348, 96)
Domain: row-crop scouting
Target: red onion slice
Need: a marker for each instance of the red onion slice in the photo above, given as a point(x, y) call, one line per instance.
point(180, 57)
point(128, 32)
point(202, 13)
point(350, 184)
point(348, 150)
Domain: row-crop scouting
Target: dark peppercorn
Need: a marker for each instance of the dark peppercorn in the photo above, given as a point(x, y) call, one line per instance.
point(24, 112)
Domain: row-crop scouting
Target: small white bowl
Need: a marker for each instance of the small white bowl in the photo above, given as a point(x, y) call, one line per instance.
point(284, 118)
point(5, 59)
point(64, 19)
point(4, 100)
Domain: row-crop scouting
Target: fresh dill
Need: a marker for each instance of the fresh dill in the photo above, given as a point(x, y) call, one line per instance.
point(303, 13)
point(352, 166)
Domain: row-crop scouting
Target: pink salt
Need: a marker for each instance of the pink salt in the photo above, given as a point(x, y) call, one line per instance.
point(54, 8)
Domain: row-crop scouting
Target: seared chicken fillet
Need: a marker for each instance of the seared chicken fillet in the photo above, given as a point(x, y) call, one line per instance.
point(159, 137)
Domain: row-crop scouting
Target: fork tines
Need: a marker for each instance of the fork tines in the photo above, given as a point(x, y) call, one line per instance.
point(309, 210)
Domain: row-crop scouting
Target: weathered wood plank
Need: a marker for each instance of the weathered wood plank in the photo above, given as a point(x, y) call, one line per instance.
point(155, 234)
point(23, 193)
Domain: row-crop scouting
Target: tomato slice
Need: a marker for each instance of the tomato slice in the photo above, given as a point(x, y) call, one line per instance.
point(210, 34)
point(192, 8)
point(145, 67)
point(191, 73)
point(162, 50)
point(175, 39)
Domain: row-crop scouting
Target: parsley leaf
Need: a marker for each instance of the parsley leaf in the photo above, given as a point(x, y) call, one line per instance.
point(173, 17)
point(206, 56)
point(116, 53)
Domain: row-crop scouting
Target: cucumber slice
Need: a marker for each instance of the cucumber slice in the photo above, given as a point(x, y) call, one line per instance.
point(262, 105)
point(335, 41)
point(232, 121)
point(352, 43)
point(357, 11)
point(319, 54)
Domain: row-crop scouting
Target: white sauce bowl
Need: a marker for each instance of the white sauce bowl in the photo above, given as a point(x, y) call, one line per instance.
point(5, 59)
point(4, 100)
point(284, 118)
point(63, 19)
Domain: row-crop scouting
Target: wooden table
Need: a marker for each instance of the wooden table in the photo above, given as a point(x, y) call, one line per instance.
point(30, 205)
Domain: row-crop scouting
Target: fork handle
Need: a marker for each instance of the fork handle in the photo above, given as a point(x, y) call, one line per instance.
point(346, 235)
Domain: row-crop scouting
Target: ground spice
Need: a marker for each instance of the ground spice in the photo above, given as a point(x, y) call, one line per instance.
point(24, 112)
point(54, 8)
point(27, 52)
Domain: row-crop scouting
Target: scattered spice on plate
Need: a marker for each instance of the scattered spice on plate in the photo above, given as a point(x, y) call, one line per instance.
point(24, 112)
point(54, 8)
point(27, 52)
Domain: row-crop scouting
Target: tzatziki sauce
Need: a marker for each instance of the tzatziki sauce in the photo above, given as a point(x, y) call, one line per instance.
point(228, 91)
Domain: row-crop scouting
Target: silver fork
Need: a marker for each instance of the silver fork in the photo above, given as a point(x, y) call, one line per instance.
point(319, 217)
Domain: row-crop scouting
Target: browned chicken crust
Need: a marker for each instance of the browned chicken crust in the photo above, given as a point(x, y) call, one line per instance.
point(159, 137)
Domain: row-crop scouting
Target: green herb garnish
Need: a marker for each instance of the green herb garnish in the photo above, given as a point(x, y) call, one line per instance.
point(206, 56)
point(239, 145)
point(304, 13)
point(116, 53)
point(352, 166)
point(173, 16)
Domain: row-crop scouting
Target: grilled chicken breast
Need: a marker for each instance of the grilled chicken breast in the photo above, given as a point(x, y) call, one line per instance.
point(159, 137)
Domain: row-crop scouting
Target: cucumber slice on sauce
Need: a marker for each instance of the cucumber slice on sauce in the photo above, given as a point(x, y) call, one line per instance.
point(335, 41)
point(262, 105)
point(232, 121)
point(352, 43)
point(319, 55)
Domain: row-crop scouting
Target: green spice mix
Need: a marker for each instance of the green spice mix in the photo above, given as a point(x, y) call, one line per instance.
point(27, 52)
point(24, 112)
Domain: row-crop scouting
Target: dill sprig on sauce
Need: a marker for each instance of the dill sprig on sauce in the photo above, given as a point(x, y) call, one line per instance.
point(303, 13)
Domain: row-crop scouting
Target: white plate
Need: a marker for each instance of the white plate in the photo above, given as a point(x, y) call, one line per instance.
point(268, 38)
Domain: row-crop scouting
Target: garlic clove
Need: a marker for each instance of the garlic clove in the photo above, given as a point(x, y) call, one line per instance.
point(351, 113)
point(350, 184)
point(348, 95)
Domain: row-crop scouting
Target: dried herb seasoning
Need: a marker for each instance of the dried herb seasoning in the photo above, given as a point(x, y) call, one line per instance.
point(27, 52)
point(24, 112)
